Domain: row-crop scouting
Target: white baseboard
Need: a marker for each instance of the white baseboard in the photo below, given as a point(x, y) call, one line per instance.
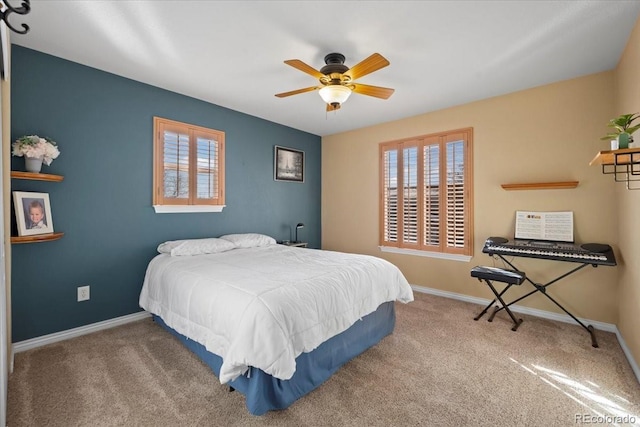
point(76, 332)
point(627, 352)
point(94, 327)
point(543, 314)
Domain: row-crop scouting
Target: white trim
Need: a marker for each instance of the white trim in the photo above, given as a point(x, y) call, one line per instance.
point(440, 255)
point(188, 208)
point(76, 332)
point(4, 330)
point(608, 327)
point(627, 352)
point(518, 309)
point(95, 327)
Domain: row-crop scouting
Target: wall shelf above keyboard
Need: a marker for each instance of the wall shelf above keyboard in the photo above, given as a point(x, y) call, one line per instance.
point(556, 185)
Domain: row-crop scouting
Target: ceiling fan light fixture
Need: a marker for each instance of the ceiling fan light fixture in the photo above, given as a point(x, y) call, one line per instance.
point(335, 94)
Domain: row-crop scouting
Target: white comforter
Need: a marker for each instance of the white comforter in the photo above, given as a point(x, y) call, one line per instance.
point(264, 306)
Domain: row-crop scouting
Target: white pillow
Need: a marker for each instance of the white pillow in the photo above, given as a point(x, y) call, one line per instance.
point(249, 240)
point(195, 246)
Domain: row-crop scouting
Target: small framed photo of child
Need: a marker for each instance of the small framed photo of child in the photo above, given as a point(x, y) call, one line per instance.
point(33, 213)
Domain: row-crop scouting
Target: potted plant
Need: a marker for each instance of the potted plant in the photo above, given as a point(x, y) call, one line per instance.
point(36, 151)
point(622, 129)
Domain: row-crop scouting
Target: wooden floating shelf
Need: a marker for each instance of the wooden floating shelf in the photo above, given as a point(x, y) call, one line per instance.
point(36, 238)
point(36, 176)
point(541, 185)
point(622, 156)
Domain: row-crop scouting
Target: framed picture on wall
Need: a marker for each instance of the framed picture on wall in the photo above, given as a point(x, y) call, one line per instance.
point(288, 164)
point(33, 213)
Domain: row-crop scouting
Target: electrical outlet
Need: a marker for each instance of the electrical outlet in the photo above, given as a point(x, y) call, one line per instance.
point(83, 293)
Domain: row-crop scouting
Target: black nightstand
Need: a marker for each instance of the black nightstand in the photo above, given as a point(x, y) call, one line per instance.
point(295, 244)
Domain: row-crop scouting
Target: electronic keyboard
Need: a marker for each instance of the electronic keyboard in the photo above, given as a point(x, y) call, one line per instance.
point(588, 253)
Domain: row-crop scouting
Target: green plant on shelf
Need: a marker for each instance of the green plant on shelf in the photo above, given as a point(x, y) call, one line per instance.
point(622, 129)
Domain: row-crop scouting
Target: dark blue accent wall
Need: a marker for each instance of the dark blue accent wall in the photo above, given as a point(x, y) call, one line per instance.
point(103, 125)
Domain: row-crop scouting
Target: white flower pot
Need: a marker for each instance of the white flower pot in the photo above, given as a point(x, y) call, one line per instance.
point(33, 164)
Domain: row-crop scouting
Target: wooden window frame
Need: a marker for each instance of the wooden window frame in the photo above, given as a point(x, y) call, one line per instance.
point(191, 203)
point(440, 139)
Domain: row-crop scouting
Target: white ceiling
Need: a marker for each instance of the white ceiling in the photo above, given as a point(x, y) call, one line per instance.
point(231, 53)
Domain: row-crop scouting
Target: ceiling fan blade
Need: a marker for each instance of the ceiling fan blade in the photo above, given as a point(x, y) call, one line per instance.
point(296, 63)
point(367, 66)
point(377, 91)
point(332, 107)
point(295, 92)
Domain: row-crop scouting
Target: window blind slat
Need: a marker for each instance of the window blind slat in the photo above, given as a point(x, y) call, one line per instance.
point(455, 194)
point(390, 190)
point(176, 165)
point(431, 155)
point(410, 195)
point(206, 177)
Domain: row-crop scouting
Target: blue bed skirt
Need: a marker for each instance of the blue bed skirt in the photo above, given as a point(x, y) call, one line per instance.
point(264, 392)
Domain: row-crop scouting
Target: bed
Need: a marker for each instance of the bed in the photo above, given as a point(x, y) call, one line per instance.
point(272, 321)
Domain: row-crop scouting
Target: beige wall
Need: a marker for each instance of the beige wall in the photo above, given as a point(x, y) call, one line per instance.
point(627, 95)
point(548, 133)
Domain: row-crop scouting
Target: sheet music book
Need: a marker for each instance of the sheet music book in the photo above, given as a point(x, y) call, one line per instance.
point(555, 226)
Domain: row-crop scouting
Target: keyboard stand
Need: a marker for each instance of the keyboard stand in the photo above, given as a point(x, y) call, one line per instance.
point(543, 289)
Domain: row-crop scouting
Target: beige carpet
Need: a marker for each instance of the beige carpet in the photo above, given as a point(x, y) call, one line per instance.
point(439, 368)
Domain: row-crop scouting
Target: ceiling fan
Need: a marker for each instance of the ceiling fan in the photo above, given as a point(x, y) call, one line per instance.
point(337, 81)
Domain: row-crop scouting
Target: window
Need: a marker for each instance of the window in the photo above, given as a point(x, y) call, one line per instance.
point(426, 193)
point(188, 168)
